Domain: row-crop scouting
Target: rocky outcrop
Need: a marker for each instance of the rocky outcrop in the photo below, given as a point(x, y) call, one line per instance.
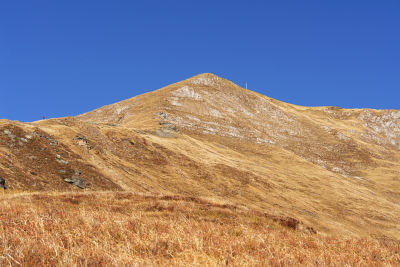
point(167, 131)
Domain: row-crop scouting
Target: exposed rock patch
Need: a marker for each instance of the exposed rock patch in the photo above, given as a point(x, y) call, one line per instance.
point(167, 131)
point(161, 115)
point(52, 141)
point(76, 180)
point(83, 142)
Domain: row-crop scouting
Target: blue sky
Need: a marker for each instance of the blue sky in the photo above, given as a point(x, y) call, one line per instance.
point(63, 58)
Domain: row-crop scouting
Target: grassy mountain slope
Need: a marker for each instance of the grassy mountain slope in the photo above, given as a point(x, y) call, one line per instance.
point(334, 169)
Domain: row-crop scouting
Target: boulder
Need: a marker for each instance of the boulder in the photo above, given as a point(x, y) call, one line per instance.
point(76, 180)
point(2, 183)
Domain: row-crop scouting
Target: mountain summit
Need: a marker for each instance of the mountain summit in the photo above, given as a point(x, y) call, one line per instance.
point(335, 169)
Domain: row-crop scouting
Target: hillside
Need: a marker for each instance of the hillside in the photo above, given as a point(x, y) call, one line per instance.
point(336, 170)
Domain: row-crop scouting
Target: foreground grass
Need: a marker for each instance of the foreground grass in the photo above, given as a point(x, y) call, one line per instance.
point(117, 229)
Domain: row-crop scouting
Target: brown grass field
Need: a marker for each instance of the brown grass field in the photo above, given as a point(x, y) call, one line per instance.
point(127, 229)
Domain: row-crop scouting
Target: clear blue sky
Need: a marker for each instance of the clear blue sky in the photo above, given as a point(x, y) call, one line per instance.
point(63, 58)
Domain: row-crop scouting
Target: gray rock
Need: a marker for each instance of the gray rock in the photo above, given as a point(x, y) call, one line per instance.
point(77, 181)
point(3, 183)
point(161, 114)
point(167, 131)
point(51, 140)
point(9, 134)
point(61, 161)
point(169, 126)
point(164, 132)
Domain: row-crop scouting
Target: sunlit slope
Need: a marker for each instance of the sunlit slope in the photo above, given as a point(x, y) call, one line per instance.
point(343, 141)
point(336, 170)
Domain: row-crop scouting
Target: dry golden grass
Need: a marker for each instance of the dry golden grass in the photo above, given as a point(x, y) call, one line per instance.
point(120, 229)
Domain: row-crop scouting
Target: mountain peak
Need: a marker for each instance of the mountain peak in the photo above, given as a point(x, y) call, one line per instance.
point(210, 79)
point(206, 75)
